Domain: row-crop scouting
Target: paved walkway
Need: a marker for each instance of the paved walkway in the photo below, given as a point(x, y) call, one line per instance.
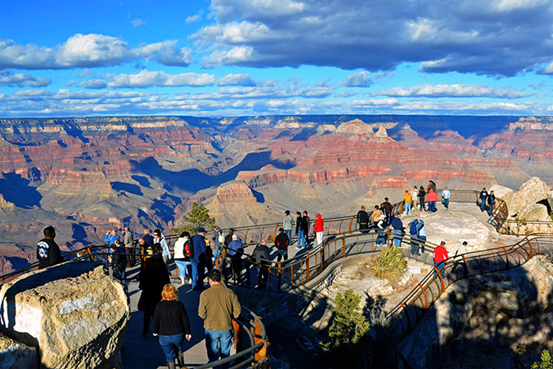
point(144, 352)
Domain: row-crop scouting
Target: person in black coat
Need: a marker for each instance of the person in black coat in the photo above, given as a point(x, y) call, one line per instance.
point(172, 326)
point(47, 251)
point(282, 242)
point(152, 279)
point(118, 260)
point(261, 257)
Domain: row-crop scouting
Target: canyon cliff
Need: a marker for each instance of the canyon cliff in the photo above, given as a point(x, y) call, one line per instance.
point(88, 175)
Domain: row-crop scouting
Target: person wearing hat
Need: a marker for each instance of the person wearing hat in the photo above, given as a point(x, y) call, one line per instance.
point(200, 248)
point(282, 242)
point(381, 226)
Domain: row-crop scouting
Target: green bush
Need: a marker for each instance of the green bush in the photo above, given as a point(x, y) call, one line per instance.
point(349, 325)
point(390, 264)
point(545, 363)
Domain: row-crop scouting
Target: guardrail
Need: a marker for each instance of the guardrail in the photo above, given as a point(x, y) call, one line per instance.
point(411, 309)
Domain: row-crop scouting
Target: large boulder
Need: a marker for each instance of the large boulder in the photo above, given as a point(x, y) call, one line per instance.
point(15, 355)
point(74, 313)
point(531, 192)
point(491, 313)
point(505, 193)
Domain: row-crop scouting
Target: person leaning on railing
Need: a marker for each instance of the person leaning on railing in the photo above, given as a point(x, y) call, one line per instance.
point(47, 250)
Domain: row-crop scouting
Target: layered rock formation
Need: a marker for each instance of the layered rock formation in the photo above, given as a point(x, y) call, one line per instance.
point(73, 313)
point(87, 175)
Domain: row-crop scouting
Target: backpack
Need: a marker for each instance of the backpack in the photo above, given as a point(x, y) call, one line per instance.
point(188, 248)
point(413, 229)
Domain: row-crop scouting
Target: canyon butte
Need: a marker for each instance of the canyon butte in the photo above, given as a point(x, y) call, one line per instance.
point(88, 175)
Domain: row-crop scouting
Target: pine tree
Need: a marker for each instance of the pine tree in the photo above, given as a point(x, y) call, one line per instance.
point(545, 363)
point(196, 218)
point(349, 325)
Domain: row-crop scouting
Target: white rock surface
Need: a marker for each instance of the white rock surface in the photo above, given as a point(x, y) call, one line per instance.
point(74, 313)
point(505, 193)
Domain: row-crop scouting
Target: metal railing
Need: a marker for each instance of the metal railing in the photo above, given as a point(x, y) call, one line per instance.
point(411, 309)
point(252, 341)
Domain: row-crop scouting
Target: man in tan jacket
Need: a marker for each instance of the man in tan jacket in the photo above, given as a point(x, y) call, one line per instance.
point(218, 306)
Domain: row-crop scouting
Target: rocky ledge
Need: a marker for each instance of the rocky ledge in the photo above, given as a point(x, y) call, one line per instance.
point(71, 315)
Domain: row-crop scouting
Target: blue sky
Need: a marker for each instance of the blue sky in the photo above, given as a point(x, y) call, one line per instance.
point(255, 57)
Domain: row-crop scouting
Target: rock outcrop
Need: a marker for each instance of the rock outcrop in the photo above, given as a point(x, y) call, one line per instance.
point(531, 192)
point(497, 312)
point(15, 355)
point(73, 313)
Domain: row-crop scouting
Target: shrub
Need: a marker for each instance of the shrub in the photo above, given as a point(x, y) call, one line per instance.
point(545, 363)
point(349, 325)
point(390, 264)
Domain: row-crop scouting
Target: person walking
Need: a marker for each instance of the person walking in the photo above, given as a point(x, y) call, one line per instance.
point(363, 219)
point(172, 326)
point(166, 253)
point(397, 225)
point(458, 259)
point(118, 261)
point(199, 254)
point(152, 278)
point(319, 229)
point(184, 258)
point(218, 239)
point(407, 199)
point(483, 199)
point(218, 306)
point(381, 226)
point(300, 230)
point(414, 196)
point(446, 194)
point(422, 195)
point(307, 227)
point(234, 251)
point(432, 200)
point(387, 208)
point(440, 258)
point(491, 203)
point(375, 216)
point(282, 242)
point(287, 224)
point(129, 250)
point(262, 260)
point(47, 250)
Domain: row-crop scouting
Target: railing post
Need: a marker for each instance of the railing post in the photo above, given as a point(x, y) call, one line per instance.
point(279, 270)
point(351, 222)
point(307, 266)
point(322, 255)
point(344, 246)
point(257, 334)
point(530, 245)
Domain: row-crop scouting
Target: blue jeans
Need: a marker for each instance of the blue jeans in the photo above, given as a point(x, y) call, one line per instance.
point(289, 234)
point(397, 238)
point(282, 254)
point(381, 238)
point(408, 208)
point(183, 270)
point(440, 267)
point(301, 239)
point(483, 203)
point(217, 249)
point(171, 346)
point(218, 344)
point(432, 206)
point(446, 203)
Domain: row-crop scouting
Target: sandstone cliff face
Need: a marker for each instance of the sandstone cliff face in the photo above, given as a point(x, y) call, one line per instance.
point(73, 313)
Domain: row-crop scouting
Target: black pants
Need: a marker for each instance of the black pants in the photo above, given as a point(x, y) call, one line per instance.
point(262, 274)
point(236, 264)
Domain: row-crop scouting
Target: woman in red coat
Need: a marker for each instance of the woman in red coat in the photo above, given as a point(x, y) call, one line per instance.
point(432, 199)
point(319, 229)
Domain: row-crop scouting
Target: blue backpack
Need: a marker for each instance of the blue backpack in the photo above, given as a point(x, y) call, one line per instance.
point(413, 230)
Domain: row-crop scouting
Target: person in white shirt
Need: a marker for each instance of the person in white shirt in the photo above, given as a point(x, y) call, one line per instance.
point(446, 194)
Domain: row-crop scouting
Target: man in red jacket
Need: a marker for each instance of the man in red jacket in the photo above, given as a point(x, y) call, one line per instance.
point(440, 257)
point(319, 229)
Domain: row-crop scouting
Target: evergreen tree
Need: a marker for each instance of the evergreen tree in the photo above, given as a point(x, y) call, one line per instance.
point(349, 325)
point(196, 218)
point(545, 363)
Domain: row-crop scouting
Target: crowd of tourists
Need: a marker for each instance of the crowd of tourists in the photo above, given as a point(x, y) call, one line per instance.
point(194, 257)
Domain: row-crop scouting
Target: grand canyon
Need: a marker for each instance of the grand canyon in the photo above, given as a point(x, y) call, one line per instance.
point(88, 175)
